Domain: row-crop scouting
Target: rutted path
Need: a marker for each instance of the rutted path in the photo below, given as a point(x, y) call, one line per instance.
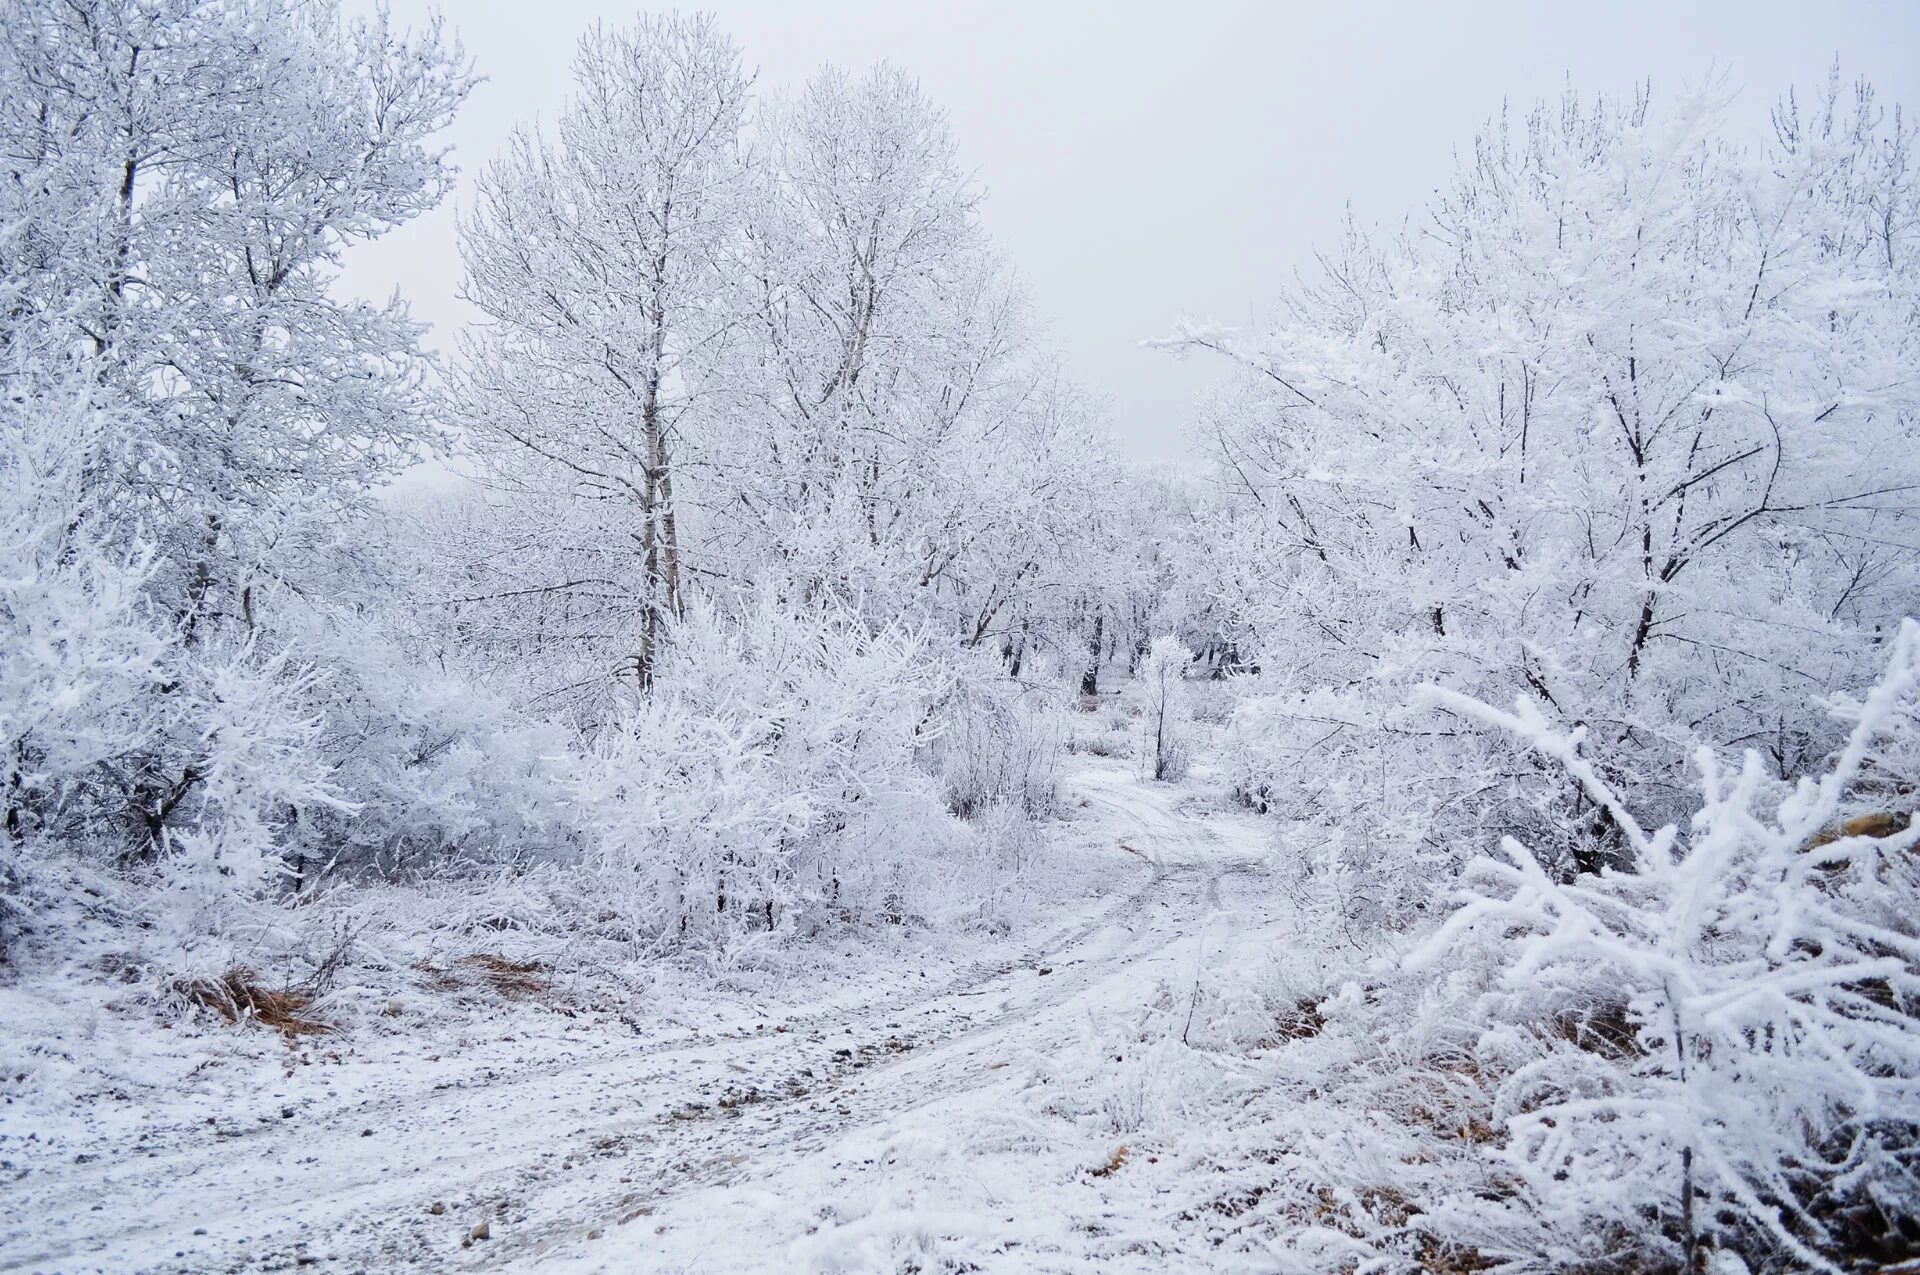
point(559, 1150)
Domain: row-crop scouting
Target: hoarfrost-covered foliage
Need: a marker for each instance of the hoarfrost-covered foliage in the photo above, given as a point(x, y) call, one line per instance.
point(78, 659)
point(1740, 1000)
point(1619, 433)
point(792, 563)
point(836, 388)
point(777, 565)
point(194, 420)
point(1165, 719)
point(768, 784)
point(1622, 423)
point(768, 444)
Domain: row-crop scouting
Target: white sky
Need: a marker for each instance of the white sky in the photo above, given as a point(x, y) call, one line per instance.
point(1146, 160)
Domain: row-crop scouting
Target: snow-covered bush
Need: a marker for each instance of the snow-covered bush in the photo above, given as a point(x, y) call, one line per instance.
point(1103, 729)
point(258, 772)
point(768, 782)
point(443, 771)
point(1716, 1045)
point(77, 651)
point(994, 742)
point(1379, 804)
point(1166, 725)
point(79, 655)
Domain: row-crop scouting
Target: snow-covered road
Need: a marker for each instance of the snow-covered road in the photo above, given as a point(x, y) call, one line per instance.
point(776, 1146)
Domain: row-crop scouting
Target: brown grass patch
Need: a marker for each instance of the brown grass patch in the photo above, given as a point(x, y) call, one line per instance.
point(1456, 1125)
point(513, 980)
point(1442, 1258)
point(1451, 1100)
point(1301, 1020)
point(1879, 825)
point(1234, 1205)
point(238, 997)
point(1605, 1030)
point(438, 978)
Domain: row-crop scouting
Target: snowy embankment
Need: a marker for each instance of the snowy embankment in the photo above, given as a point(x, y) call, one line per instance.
point(962, 1099)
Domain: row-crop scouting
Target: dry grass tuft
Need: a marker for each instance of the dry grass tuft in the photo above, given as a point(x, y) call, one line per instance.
point(1605, 1030)
point(513, 980)
point(238, 997)
point(1301, 1021)
point(1451, 1100)
point(1442, 1258)
point(1878, 824)
point(1455, 1125)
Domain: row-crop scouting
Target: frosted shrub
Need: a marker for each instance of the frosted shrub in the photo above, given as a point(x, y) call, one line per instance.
point(996, 743)
point(77, 652)
point(1102, 731)
point(1741, 1062)
point(1368, 819)
point(1370, 785)
point(1166, 725)
point(258, 771)
point(984, 881)
point(442, 772)
point(768, 783)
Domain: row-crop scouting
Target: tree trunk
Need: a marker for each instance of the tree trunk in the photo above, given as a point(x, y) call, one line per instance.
point(660, 537)
point(1090, 680)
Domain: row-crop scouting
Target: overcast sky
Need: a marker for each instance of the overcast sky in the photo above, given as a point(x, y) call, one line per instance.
point(1147, 160)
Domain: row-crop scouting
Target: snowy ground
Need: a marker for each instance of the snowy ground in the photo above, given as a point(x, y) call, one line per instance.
point(921, 1115)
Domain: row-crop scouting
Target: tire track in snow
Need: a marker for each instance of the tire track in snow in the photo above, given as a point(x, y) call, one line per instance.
point(1189, 868)
point(562, 1146)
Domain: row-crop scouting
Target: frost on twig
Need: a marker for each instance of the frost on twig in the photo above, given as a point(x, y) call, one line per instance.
point(1773, 1065)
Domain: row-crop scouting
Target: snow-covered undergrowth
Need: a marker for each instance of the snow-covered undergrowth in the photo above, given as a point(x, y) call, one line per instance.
point(773, 784)
point(755, 802)
point(475, 1037)
point(1705, 1058)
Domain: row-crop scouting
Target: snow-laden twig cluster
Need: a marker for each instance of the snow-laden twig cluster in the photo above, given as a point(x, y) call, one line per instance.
point(1165, 719)
point(1761, 1075)
point(769, 786)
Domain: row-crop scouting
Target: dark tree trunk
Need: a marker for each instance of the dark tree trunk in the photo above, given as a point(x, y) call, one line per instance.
point(1090, 680)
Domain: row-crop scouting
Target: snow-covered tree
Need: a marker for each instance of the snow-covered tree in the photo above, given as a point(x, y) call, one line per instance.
point(908, 445)
point(848, 393)
point(1593, 430)
point(181, 179)
point(186, 176)
point(597, 259)
point(1165, 721)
